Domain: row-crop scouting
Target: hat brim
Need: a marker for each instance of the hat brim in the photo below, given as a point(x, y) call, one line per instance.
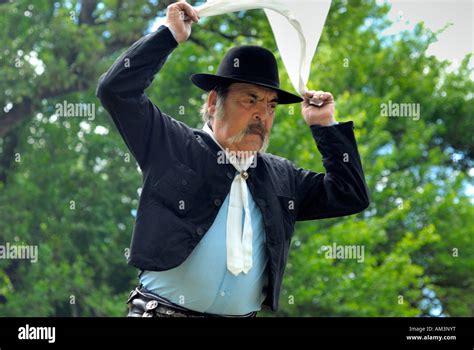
point(208, 82)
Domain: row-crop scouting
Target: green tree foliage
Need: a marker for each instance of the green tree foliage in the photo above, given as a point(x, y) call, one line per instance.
point(69, 185)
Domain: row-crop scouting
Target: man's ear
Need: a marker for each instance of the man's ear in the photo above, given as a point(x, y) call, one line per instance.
point(211, 102)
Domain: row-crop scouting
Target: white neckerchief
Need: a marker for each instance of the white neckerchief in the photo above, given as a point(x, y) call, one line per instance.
point(238, 243)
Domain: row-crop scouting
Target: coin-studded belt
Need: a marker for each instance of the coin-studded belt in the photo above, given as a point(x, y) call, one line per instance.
point(142, 303)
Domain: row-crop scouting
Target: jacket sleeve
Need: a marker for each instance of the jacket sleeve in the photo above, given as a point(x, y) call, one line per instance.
point(121, 91)
point(342, 189)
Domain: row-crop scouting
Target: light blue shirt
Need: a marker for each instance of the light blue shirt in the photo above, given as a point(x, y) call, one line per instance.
point(203, 283)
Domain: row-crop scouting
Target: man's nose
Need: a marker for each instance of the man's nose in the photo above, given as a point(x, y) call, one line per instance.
point(260, 116)
point(263, 111)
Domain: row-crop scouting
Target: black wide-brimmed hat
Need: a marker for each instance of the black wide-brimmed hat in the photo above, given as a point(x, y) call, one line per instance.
point(247, 64)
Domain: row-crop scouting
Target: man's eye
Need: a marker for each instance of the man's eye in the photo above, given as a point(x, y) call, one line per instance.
point(272, 107)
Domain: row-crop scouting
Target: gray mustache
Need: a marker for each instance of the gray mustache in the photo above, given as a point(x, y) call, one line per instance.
point(256, 129)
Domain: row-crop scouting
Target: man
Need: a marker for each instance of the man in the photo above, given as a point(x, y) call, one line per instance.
point(216, 213)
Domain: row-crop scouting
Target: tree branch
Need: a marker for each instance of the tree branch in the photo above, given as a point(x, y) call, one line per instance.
point(14, 116)
point(87, 8)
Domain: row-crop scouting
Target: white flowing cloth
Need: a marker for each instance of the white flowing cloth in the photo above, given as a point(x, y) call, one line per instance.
point(296, 25)
point(238, 243)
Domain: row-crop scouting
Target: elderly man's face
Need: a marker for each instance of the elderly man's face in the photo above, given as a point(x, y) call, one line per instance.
point(247, 117)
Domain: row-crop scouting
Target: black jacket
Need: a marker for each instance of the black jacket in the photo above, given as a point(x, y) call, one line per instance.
point(184, 185)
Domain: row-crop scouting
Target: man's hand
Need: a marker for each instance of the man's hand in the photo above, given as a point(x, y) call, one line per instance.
point(179, 17)
point(314, 115)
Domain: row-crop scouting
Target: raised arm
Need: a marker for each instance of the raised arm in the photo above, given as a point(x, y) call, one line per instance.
point(121, 88)
point(342, 189)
